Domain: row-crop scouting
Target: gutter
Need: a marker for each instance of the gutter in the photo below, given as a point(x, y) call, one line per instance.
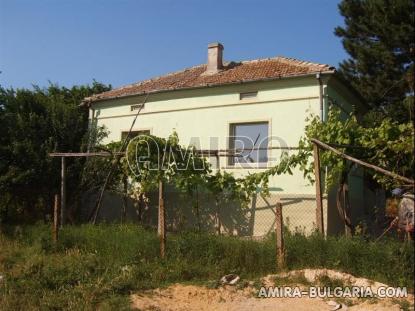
point(320, 96)
point(88, 101)
point(91, 124)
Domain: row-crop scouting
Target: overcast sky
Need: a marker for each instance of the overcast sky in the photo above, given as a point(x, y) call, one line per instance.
point(125, 41)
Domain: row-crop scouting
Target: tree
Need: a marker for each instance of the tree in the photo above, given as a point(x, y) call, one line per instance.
point(34, 123)
point(378, 36)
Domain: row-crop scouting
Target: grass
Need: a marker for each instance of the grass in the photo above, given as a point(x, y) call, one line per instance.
point(291, 280)
point(98, 267)
point(388, 261)
point(324, 280)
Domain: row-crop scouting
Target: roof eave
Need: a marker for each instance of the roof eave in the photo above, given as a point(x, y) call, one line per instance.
point(88, 101)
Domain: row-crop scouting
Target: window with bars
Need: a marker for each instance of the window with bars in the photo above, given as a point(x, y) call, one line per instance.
point(136, 107)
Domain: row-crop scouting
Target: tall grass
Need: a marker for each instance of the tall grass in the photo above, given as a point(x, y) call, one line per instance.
point(389, 261)
point(99, 266)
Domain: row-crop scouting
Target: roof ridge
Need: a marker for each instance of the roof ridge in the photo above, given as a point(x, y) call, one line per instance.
point(289, 60)
point(257, 60)
point(302, 62)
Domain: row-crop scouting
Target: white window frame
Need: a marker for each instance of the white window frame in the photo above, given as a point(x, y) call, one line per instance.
point(254, 165)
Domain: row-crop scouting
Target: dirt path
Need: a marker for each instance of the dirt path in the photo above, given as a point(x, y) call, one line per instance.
point(180, 297)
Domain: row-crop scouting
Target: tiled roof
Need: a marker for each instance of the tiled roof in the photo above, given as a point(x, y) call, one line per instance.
point(194, 77)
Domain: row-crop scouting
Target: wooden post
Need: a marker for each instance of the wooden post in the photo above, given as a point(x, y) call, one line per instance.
point(124, 200)
point(161, 222)
point(55, 224)
point(217, 220)
point(63, 191)
point(279, 237)
point(199, 225)
point(252, 214)
point(319, 200)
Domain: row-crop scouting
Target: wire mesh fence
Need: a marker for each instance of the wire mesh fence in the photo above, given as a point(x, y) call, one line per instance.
point(369, 211)
point(255, 218)
point(217, 214)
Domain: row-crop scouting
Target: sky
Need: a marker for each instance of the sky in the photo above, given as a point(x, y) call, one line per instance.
point(119, 42)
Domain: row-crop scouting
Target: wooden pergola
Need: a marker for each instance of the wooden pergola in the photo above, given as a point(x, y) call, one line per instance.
point(63, 156)
point(217, 153)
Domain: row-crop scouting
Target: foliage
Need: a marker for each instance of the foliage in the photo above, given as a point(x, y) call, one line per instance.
point(151, 159)
point(378, 36)
point(34, 123)
point(389, 145)
point(98, 267)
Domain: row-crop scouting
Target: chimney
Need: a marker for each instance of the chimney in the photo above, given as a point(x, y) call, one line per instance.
point(215, 54)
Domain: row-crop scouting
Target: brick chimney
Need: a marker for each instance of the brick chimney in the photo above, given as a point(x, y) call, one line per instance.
point(215, 54)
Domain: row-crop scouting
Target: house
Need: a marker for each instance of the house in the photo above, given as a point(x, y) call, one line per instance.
point(264, 100)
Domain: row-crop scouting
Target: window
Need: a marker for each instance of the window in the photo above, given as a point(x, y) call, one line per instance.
point(136, 107)
point(249, 142)
point(248, 95)
point(134, 134)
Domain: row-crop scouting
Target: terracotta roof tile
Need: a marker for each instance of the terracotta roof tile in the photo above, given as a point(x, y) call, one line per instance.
point(194, 77)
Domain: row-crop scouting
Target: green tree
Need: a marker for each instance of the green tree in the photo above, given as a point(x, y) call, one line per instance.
point(34, 123)
point(378, 36)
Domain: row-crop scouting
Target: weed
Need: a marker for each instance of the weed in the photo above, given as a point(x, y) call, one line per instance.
point(325, 281)
point(404, 305)
point(98, 267)
point(291, 280)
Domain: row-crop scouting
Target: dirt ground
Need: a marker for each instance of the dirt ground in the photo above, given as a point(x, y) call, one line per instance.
point(180, 297)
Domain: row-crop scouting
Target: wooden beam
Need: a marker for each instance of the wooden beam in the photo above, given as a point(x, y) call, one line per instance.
point(124, 199)
point(279, 237)
point(362, 163)
point(63, 191)
point(319, 199)
point(211, 152)
point(161, 222)
point(55, 223)
point(84, 154)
